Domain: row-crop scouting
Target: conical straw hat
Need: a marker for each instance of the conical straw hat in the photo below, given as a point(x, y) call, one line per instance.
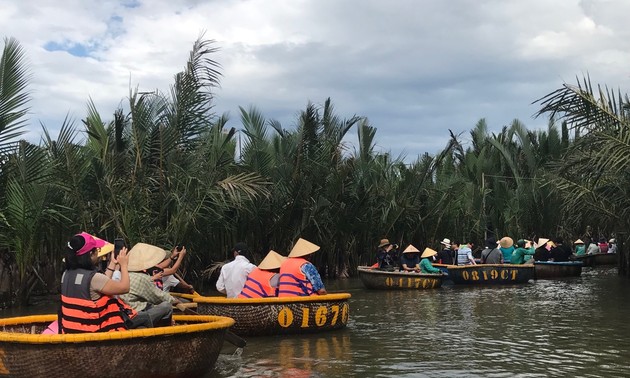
point(428, 252)
point(144, 256)
point(273, 260)
point(506, 242)
point(579, 241)
point(411, 249)
point(302, 248)
point(105, 249)
point(541, 242)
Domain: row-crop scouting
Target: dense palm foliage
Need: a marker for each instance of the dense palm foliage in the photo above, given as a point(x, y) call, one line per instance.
point(166, 170)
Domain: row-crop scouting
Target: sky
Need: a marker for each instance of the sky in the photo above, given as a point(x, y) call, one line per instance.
point(415, 68)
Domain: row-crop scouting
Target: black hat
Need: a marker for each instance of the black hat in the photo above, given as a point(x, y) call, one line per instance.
point(241, 248)
point(491, 242)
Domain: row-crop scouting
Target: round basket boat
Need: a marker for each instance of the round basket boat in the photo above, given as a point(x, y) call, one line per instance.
point(379, 279)
point(274, 316)
point(189, 348)
point(551, 269)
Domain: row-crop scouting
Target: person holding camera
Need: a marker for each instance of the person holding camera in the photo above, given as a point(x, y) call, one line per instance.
point(168, 277)
point(387, 255)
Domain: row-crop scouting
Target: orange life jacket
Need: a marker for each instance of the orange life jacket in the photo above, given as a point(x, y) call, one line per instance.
point(292, 281)
point(258, 285)
point(79, 313)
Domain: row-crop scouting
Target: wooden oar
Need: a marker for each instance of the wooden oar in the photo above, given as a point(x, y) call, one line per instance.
point(230, 337)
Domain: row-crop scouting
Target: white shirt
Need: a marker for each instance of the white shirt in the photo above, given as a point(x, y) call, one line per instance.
point(233, 276)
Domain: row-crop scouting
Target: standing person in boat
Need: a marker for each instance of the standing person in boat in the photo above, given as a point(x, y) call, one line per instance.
point(262, 282)
point(387, 255)
point(298, 276)
point(523, 252)
point(612, 246)
point(410, 259)
point(506, 246)
point(88, 302)
point(425, 263)
point(464, 255)
point(542, 248)
point(560, 252)
point(445, 256)
point(491, 254)
point(234, 274)
point(579, 247)
point(144, 296)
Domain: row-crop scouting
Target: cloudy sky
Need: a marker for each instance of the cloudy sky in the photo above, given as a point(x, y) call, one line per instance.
point(415, 68)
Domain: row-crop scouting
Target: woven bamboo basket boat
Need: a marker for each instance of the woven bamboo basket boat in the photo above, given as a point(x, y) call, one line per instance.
point(490, 274)
point(189, 348)
point(379, 279)
point(551, 269)
point(278, 316)
point(598, 259)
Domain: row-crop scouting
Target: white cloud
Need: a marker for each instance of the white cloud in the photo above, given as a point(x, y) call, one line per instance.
point(415, 68)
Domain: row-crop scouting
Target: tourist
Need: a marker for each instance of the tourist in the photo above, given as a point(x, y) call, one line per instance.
point(592, 247)
point(445, 256)
point(491, 254)
point(612, 246)
point(464, 255)
point(169, 278)
point(542, 248)
point(234, 274)
point(523, 252)
point(298, 276)
point(262, 282)
point(88, 302)
point(506, 246)
point(579, 247)
point(425, 263)
point(143, 296)
point(410, 259)
point(387, 256)
point(560, 252)
point(603, 245)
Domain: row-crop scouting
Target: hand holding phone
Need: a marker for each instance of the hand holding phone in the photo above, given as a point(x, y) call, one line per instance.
point(119, 243)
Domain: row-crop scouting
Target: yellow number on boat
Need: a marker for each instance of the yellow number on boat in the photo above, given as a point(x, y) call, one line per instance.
point(305, 312)
point(485, 275)
point(3, 369)
point(389, 281)
point(475, 276)
point(335, 310)
point(514, 273)
point(320, 316)
point(285, 317)
point(344, 313)
point(465, 275)
point(504, 274)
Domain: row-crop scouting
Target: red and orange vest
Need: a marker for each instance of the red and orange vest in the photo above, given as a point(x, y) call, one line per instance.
point(79, 313)
point(258, 285)
point(293, 283)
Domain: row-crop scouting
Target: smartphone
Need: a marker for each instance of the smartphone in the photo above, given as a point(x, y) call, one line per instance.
point(118, 244)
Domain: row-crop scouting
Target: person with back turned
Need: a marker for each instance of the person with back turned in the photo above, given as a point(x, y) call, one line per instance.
point(298, 276)
point(262, 282)
point(234, 274)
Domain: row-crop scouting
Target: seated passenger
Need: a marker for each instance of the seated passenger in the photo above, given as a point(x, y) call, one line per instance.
point(143, 295)
point(506, 246)
point(464, 255)
point(387, 256)
point(491, 254)
point(445, 256)
point(425, 263)
point(579, 247)
point(169, 277)
point(560, 252)
point(88, 302)
point(234, 274)
point(542, 250)
point(523, 249)
point(298, 276)
point(262, 282)
point(410, 259)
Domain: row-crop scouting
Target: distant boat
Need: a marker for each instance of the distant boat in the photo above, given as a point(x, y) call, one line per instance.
point(278, 316)
point(552, 269)
point(490, 274)
point(598, 259)
point(380, 279)
point(188, 348)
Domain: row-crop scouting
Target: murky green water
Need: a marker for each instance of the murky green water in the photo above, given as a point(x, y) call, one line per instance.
point(577, 327)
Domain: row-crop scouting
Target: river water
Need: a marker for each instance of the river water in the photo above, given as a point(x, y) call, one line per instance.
point(577, 327)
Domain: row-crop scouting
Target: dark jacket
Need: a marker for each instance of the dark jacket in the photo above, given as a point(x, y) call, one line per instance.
point(445, 256)
point(560, 253)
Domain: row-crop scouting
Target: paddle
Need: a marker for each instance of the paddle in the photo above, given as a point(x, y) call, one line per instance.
point(230, 337)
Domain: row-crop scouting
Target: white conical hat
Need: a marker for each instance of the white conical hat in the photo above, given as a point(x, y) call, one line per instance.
point(428, 252)
point(273, 260)
point(411, 249)
point(144, 256)
point(541, 242)
point(302, 248)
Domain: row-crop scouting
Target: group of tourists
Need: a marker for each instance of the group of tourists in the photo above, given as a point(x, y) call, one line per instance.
point(503, 251)
point(132, 291)
point(275, 276)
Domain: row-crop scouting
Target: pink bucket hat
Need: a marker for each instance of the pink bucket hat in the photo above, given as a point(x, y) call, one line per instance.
point(91, 242)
